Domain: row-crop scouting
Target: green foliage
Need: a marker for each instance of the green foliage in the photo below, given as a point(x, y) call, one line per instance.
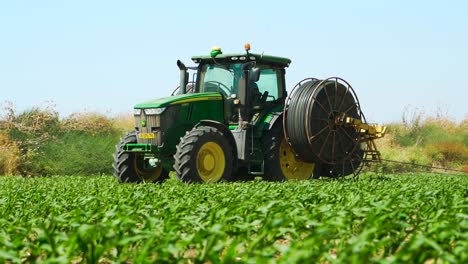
point(429, 132)
point(430, 141)
point(37, 142)
point(75, 153)
point(403, 219)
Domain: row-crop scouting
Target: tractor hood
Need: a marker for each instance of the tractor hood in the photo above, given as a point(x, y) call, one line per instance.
point(179, 99)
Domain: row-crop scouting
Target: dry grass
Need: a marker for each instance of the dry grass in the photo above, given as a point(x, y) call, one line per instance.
point(9, 156)
point(88, 122)
point(435, 141)
point(124, 122)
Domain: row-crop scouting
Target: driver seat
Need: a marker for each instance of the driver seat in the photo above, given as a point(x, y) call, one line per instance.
point(255, 96)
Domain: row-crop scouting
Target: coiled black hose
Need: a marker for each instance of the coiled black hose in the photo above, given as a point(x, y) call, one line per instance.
point(296, 120)
point(312, 121)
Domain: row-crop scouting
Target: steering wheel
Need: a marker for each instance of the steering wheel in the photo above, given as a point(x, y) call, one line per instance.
point(222, 87)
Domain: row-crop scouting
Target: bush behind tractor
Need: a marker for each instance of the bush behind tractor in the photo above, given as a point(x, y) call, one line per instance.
point(231, 116)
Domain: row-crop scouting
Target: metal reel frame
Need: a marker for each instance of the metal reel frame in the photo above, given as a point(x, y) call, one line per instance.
point(355, 158)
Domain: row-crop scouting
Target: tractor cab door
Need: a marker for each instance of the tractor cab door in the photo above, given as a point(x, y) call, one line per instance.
point(224, 79)
point(268, 90)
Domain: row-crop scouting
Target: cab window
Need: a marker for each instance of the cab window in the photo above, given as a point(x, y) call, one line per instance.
point(270, 82)
point(220, 78)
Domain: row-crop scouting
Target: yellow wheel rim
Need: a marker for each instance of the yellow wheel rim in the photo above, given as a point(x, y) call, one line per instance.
point(292, 168)
point(210, 162)
point(150, 175)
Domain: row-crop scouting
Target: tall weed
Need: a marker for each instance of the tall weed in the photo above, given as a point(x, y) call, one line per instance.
point(436, 141)
point(37, 142)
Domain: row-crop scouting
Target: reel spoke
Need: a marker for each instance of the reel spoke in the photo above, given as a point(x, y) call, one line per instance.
point(336, 93)
point(343, 99)
point(328, 98)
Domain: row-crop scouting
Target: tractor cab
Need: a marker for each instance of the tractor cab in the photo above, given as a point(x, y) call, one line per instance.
point(248, 82)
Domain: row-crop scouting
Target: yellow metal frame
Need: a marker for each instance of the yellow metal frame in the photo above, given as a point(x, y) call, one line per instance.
point(372, 130)
point(292, 168)
point(368, 133)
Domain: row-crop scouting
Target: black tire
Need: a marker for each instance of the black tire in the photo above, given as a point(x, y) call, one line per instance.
point(347, 167)
point(131, 167)
point(273, 169)
point(195, 148)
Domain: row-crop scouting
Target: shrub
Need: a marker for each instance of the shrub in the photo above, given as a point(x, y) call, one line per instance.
point(124, 122)
point(29, 130)
point(433, 141)
point(88, 123)
point(446, 153)
point(37, 142)
point(77, 153)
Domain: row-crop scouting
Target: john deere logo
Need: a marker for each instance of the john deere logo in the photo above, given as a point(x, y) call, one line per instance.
point(143, 123)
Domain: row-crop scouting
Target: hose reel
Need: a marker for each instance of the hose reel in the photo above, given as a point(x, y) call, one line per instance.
point(323, 123)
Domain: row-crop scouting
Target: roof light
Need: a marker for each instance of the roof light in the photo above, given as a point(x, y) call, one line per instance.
point(247, 46)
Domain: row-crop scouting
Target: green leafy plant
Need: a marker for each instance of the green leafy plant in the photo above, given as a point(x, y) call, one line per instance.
point(413, 218)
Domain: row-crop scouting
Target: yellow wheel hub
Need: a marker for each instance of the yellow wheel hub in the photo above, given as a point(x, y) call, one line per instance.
point(146, 175)
point(292, 168)
point(210, 162)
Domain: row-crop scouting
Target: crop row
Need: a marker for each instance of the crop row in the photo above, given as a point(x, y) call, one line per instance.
point(395, 218)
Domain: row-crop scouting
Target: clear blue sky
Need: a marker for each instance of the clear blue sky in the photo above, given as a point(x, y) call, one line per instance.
point(108, 55)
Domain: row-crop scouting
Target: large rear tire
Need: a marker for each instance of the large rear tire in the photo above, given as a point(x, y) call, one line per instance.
point(203, 155)
point(133, 167)
point(280, 162)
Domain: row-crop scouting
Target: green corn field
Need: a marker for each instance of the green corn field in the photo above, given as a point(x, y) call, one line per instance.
point(411, 218)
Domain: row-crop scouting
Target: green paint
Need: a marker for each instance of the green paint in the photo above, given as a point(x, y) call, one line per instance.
point(263, 122)
point(215, 53)
point(140, 148)
point(260, 58)
point(185, 111)
point(188, 116)
point(178, 99)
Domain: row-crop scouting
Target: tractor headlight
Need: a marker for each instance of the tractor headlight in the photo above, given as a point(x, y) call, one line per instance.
point(154, 111)
point(136, 111)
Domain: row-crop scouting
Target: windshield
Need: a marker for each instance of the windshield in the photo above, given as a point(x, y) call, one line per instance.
point(220, 78)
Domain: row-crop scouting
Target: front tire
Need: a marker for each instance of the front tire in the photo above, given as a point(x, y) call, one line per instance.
point(203, 155)
point(280, 162)
point(133, 167)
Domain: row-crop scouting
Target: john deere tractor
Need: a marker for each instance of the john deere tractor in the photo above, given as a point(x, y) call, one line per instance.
point(231, 116)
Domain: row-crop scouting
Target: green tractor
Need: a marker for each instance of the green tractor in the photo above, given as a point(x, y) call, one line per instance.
point(231, 117)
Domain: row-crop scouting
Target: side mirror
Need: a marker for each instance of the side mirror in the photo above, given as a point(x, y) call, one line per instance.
point(254, 75)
